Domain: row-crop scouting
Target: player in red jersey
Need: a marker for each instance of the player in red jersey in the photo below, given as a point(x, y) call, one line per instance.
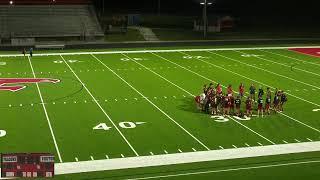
point(260, 106)
point(226, 105)
point(218, 89)
point(241, 90)
point(229, 90)
point(249, 106)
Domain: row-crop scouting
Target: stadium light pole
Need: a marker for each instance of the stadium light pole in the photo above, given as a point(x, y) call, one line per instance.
point(205, 17)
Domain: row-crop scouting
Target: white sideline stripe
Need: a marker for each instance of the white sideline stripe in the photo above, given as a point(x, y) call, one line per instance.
point(156, 51)
point(254, 81)
point(151, 103)
point(104, 112)
point(275, 62)
point(271, 72)
point(290, 57)
point(158, 75)
point(187, 157)
point(226, 170)
point(214, 82)
point(46, 113)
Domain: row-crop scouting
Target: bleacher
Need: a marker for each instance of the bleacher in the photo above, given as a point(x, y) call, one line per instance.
point(48, 20)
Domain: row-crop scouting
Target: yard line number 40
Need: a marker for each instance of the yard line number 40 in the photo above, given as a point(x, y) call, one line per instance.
point(123, 125)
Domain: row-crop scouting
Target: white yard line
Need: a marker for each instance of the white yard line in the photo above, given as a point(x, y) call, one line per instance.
point(241, 76)
point(46, 113)
point(98, 104)
point(226, 170)
point(181, 158)
point(291, 57)
point(156, 51)
point(169, 117)
point(303, 70)
point(158, 75)
point(271, 72)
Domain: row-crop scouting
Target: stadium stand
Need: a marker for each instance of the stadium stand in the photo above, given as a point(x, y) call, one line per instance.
point(73, 18)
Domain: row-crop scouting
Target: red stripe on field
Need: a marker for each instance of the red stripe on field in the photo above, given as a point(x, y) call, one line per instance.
point(308, 51)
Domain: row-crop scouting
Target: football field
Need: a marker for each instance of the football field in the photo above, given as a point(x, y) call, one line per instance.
point(88, 106)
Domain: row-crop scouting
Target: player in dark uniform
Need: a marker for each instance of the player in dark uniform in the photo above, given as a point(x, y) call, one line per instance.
point(267, 105)
point(283, 99)
point(252, 90)
point(276, 102)
point(204, 89)
point(260, 106)
point(214, 105)
point(260, 92)
point(24, 52)
point(249, 106)
point(238, 105)
point(231, 98)
point(31, 52)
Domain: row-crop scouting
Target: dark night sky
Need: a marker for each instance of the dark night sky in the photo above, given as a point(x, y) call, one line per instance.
point(236, 7)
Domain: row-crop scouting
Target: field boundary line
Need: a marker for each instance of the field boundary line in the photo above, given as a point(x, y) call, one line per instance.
point(201, 143)
point(155, 51)
point(265, 85)
point(226, 170)
point(289, 57)
point(186, 157)
point(271, 72)
point(104, 112)
point(275, 62)
point(46, 114)
point(256, 133)
point(259, 82)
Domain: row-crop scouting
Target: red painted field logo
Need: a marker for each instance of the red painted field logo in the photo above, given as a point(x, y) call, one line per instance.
point(12, 84)
point(309, 51)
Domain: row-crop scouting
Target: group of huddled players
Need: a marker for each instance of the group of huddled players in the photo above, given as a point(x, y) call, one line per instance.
point(213, 101)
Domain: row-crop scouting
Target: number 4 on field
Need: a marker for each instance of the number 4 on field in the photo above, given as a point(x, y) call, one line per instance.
point(102, 126)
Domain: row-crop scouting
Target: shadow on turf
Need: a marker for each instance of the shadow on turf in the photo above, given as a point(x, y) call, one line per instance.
point(189, 105)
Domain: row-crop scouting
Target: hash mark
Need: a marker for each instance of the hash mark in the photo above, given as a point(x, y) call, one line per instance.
point(297, 140)
point(165, 97)
point(234, 146)
point(165, 151)
point(285, 141)
point(151, 153)
point(194, 149)
point(260, 144)
point(91, 158)
point(221, 147)
point(247, 144)
point(309, 139)
point(107, 156)
point(180, 150)
point(122, 155)
point(76, 159)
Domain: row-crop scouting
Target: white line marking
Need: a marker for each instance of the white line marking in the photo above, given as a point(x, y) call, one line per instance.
point(165, 151)
point(234, 146)
point(193, 149)
point(76, 159)
point(159, 51)
point(152, 103)
point(260, 144)
point(151, 153)
point(122, 155)
point(91, 158)
point(221, 147)
point(107, 157)
point(157, 74)
point(300, 122)
point(297, 140)
point(247, 144)
point(179, 150)
point(98, 104)
point(46, 113)
point(225, 170)
point(290, 57)
point(285, 141)
point(309, 139)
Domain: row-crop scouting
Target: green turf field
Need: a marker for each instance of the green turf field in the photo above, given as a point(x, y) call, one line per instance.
point(122, 104)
